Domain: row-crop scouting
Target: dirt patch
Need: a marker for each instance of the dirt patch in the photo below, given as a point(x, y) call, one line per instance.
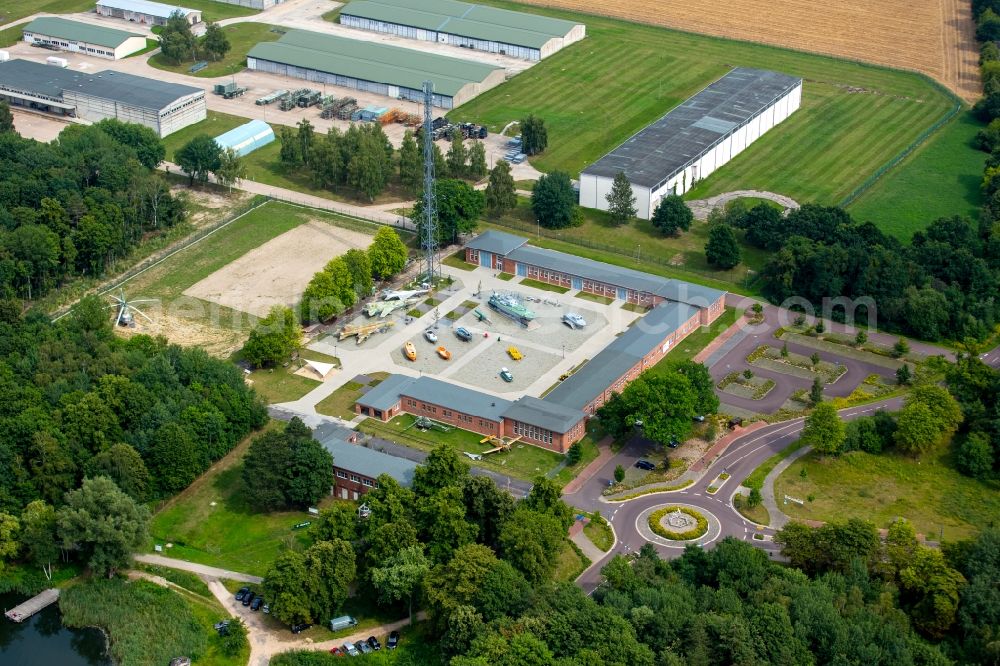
point(207, 205)
point(935, 37)
point(218, 342)
point(277, 272)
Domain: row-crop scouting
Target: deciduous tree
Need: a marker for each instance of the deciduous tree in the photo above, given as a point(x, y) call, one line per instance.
point(457, 156)
point(6, 117)
point(672, 215)
point(554, 202)
point(38, 535)
point(399, 578)
point(103, 524)
point(477, 160)
point(387, 253)
point(501, 194)
point(441, 468)
point(411, 167)
point(722, 249)
point(823, 430)
point(534, 135)
point(199, 157)
point(273, 340)
point(214, 42)
point(231, 169)
point(459, 207)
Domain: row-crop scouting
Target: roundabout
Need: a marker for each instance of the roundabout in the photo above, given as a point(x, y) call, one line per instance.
point(677, 525)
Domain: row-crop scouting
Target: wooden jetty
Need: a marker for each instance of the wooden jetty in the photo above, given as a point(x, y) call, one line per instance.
point(22, 612)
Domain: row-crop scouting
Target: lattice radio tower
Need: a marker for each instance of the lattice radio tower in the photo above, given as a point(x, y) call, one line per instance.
point(431, 268)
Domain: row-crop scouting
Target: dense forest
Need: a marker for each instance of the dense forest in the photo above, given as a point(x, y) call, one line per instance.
point(79, 401)
point(943, 285)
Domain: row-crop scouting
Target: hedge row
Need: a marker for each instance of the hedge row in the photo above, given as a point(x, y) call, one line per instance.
point(695, 532)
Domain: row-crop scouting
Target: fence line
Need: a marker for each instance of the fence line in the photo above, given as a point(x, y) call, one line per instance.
point(150, 262)
point(885, 168)
point(401, 221)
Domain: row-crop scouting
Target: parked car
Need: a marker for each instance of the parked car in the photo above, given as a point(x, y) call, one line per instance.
point(299, 628)
point(350, 650)
point(266, 609)
point(337, 652)
point(363, 647)
point(373, 643)
point(257, 602)
point(699, 418)
point(506, 375)
point(342, 622)
point(647, 465)
point(463, 334)
point(222, 627)
point(248, 598)
point(393, 641)
point(735, 422)
point(242, 592)
point(673, 443)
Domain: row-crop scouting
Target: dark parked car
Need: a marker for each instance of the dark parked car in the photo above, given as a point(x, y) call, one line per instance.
point(242, 593)
point(257, 603)
point(373, 643)
point(248, 598)
point(363, 647)
point(222, 627)
point(299, 628)
point(393, 641)
point(463, 334)
point(673, 443)
point(645, 464)
point(735, 422)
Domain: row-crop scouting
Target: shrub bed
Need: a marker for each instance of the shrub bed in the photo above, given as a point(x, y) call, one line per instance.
point(695, 532)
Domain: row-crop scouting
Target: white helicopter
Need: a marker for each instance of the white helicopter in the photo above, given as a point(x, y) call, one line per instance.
point(126, 308)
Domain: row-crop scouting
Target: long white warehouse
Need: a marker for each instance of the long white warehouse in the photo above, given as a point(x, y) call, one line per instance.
point(694, 139)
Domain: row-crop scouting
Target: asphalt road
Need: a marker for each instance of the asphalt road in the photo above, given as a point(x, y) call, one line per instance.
point(743, 456)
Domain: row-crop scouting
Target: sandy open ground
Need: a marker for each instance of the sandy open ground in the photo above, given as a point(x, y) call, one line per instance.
point(935, 37)
point(278, 271)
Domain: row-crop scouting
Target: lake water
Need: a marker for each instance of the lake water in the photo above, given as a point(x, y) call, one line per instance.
point(44, 641)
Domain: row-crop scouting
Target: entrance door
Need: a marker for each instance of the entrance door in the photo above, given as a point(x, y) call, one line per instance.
point(623, 294)
point(578, 283)
point(343, 493)
point(522, 269)
point(486, 259)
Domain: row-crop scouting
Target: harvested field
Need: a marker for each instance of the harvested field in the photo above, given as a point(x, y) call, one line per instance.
point(935, 37)
point(278, 271)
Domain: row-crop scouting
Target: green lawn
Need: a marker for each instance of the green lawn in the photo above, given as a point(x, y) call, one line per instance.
point(242, 37)
point(11, 36)
point(210, 522)
point(214, 124)
point(523, 461)
point(854, 117)
point(590, 451)
point(281, 384)
point(594, 298)
point(341, 402)
point(544, 286)
point(570, 562)
point(457, 260)
point(927, 492)
point(599, 532)
point(940, 179)
point(694, 343)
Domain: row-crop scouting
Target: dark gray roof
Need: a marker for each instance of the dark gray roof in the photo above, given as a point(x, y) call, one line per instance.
point(458, 398)
point(371, 463)
point(660, 150)
point(447, 395)
point(580, 388)
point(548, 415)
point(139, 91)
point(34, 77)
point(387, 393)
point(675, 290)
point(498, 242)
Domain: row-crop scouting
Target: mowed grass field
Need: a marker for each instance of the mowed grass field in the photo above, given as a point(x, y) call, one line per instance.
point(242, 37)
point(598, 92)
point(210, 523)
point(940, 179)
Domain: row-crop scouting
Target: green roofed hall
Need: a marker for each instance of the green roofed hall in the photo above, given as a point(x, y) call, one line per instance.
point(477, 27)
point(83, 38)
point(371, 67)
